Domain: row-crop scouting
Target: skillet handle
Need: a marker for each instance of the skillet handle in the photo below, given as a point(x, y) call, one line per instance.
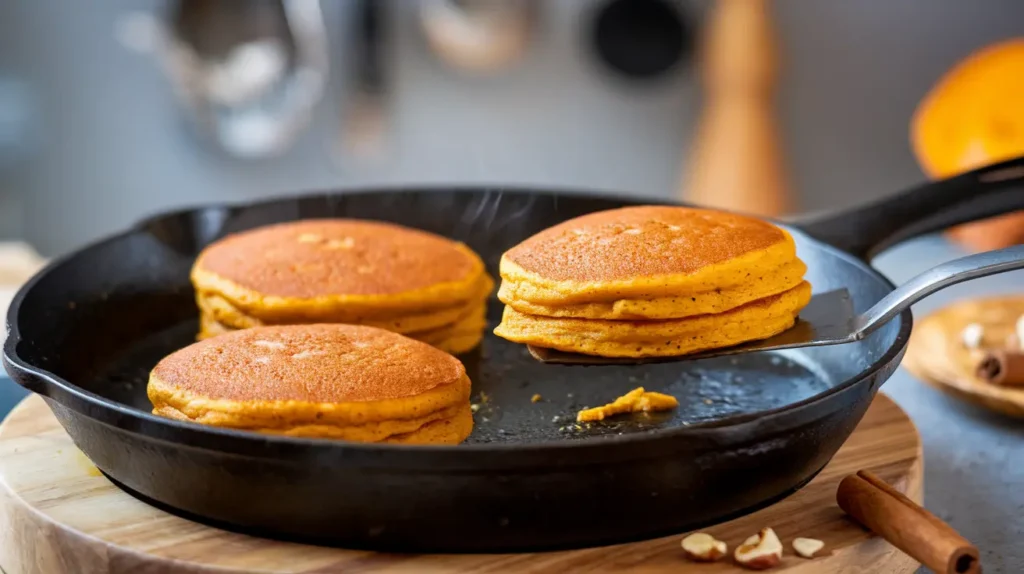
point(867, 230)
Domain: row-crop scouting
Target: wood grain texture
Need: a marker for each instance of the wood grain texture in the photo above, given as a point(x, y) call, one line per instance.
point(58, 514)
point(937, 356)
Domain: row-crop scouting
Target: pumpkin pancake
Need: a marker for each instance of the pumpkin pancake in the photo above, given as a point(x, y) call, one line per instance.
point(672, 337)
point(472, 323)
point(655, 262)
point(326, 380)
point(781, 279)
point(336, 267)
point(224, 312)
point(460, 343)
point(444, 431)
point(209, 327)
point(463, 334)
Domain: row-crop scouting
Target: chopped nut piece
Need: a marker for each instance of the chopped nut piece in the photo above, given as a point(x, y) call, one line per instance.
point(807, 547)
point(760, 552)
point(1020, 332)
point(701, 547)
point(972, 335)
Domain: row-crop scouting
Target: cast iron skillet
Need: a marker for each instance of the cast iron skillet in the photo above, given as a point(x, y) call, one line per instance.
point(750, 430)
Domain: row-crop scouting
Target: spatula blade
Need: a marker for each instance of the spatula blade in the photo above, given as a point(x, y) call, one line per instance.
point(826, 320)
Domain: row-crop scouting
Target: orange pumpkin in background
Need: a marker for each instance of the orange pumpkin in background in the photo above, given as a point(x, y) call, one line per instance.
point(975, 116)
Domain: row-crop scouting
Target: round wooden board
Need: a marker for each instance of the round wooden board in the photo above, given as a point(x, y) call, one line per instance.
point(59, 514)
point(937, 356)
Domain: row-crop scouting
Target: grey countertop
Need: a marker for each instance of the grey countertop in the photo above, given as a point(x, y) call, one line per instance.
point(974, 478)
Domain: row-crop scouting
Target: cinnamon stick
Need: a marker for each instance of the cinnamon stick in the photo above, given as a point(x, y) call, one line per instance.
point(907, 526)
point(1002, 367)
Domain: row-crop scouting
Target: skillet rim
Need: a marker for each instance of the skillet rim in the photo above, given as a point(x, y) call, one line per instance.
point(239, 441)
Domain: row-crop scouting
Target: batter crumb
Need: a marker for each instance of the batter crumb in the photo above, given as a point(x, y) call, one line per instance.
point(637, 400)
point(536, 398)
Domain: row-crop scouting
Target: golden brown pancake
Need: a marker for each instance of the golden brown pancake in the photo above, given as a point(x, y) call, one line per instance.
point(229, 316)
point(671, 337)
point(762, 284)
point(655, 262)
point(651, 281)
point(463, 334)
point(644, 241)
point(331, 267)
point(445, 431)
point(209, 327)
point(327, 380)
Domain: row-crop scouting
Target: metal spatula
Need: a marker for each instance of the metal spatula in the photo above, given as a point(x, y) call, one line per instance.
point(829, 318)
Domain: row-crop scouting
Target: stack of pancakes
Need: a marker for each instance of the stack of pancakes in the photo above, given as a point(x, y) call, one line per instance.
point(404, 280)
point(329, 381)
point(651, 281)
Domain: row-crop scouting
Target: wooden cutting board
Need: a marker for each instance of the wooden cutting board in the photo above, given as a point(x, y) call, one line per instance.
point(937, 356)
point(59, 514)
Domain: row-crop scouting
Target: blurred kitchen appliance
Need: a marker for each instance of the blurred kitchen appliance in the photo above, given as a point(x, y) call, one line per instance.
point(736, 158)
point(478, 36)
point(248, 73)
point(640, 39)
point(364, 116)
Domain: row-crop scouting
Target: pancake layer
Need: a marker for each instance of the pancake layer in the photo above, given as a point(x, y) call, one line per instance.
point(671, 337)
point(651, 281)
point(683, 304)
point(330, 380)
point(342, 271)
point(462, 335)
point(397, 320)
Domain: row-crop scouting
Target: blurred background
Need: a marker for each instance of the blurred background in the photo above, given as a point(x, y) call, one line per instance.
point(114, 109)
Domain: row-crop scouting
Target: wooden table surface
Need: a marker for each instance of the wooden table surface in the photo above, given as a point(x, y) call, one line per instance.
point(59, 514)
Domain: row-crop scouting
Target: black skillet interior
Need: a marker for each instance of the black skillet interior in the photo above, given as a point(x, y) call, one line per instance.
point(100, 319)
point(142, 309)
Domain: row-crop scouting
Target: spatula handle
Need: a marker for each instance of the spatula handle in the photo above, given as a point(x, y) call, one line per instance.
point(936, 278)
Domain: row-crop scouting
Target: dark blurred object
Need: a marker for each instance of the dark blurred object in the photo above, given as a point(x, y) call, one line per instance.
point(478, 35)
point(215, 28)
point(249, 72)
point(641, 38)
point(364, 117)
point(736, 158)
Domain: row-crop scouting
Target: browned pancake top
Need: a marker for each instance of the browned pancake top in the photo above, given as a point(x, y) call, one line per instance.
point(312, 258)
point(641, 242)
point(315, 363)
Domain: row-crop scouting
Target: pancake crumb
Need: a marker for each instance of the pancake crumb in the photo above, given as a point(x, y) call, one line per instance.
point(637, 400)
point(536, 398)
